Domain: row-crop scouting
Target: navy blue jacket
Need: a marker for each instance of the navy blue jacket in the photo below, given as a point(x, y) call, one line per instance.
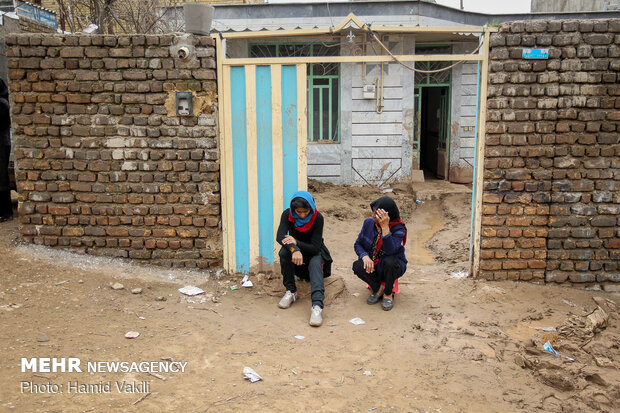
point(392, 243)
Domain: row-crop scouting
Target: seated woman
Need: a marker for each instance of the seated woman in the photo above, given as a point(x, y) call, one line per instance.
point(303, 252)
point(381, 252)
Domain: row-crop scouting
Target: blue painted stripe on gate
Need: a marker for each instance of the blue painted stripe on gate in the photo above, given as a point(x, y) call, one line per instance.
point(240, 168)
point(289, 132)
point(264, 163)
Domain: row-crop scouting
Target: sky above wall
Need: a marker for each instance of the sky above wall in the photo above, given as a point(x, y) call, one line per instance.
point(481, 6)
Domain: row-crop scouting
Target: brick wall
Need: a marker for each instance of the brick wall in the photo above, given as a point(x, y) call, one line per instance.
point(103, 163)
point(551, 197)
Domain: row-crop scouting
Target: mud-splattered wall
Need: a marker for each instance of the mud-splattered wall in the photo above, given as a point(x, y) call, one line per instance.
point(103, 163)
point(551, 198)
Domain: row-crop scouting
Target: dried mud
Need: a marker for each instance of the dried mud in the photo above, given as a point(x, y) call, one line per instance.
point(451, 344)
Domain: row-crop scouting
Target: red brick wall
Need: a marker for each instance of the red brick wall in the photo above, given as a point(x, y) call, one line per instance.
point(103, 163)
point(551, 197)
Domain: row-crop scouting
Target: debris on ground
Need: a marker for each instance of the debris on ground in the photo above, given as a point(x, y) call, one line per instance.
point(43, 338)
point(246, 282)
point(191, 290)
point(132, 334)
point(357, 321)
point(117, 286)
point(585, 375)
point(459, 275)
point(250, 374)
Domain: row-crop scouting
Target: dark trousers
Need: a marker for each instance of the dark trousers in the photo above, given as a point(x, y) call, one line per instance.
point(391, 270)
point(311, 269)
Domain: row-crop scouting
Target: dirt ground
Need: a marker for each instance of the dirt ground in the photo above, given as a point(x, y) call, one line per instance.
point(451, 343)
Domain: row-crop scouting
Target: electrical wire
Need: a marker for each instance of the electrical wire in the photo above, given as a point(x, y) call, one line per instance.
point(330, 15)
point(422, 70)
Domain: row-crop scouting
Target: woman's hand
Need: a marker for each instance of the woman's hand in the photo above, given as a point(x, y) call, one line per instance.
point(383, 220)
point(289, 240)
point(369, 265)
point(298, 259)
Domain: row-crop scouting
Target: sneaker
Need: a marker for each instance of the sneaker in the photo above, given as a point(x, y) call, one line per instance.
point(288, 299)
point(316, 316)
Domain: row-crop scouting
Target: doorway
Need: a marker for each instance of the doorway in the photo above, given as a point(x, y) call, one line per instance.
point(433, 107)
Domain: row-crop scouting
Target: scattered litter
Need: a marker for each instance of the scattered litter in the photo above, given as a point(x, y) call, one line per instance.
point(386, 190)
point(80, 281)
point(300, 337)
point(545, 329)
point(233, 288)
point(459, 275)
point(142, 318)
point(367, 373)
point(90, 28)
point(117, 286)
point(251, 375)
point(160, 298)
point(136, 291)
point(246, 282)
point(42, 338)
point(548, 347)
point(419, 201)
point(569, 358)
point(355, 294)
point(569, 303)
point(372, 409)
point(294, 372)
point(132, 334)
point(357, 321)
point(61, 282)
point(191, 290)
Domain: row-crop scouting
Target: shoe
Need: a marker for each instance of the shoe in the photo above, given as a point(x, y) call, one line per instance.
point(373, 298)
point(387, 304)
point(316, 316)
point(288, 299)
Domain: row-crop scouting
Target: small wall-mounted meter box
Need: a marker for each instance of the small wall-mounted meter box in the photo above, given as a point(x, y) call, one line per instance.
point(184, 104)
point(369, 92)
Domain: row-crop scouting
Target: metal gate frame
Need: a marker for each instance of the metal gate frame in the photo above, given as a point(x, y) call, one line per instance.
point(351, 21)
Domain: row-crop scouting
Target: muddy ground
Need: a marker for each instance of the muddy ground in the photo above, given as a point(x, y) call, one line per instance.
point(451, 344)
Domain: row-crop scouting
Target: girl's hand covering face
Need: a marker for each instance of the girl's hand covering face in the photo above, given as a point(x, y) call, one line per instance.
point(381, 217)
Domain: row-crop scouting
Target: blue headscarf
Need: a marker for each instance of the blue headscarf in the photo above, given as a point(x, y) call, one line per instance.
point(308, 198)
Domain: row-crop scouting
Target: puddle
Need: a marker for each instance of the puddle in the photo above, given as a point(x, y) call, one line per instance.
point(427, 221)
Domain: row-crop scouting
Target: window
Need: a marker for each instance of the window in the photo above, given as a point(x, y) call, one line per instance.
point(323, 85)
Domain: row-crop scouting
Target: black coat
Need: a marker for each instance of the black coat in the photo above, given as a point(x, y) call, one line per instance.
point(310, 242)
